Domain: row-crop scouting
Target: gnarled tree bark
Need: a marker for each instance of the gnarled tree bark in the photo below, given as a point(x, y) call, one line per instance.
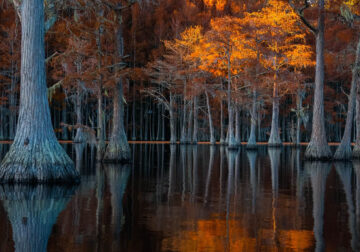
point(35, 155)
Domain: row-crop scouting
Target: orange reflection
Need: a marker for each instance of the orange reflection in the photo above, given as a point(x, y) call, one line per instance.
point(220, 235)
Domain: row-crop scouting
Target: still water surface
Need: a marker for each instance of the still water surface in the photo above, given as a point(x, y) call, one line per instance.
point(189, 198)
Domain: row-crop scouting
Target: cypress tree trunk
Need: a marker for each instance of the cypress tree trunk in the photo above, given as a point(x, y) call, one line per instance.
point(133, 135)
point(79, 137)
point(32, 212)
point(190, 123)
point(211, 126)
point(35, 155)
point(196, 122)
point(274, 140)
point(298, 117)
point(318, 147)
point(118, 149)
point(64, 120)
point(231, 139)
point(251, 144)
point(237, 127)
point(344, 150)
point(172, 120)
point(356, 151)
point(222, 128)
point(183, 137)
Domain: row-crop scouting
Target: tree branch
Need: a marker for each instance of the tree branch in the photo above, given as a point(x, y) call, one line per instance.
point(300, 13)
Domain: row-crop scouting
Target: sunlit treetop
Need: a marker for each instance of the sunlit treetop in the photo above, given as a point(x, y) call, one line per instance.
point(224, 44)
point(219, 4)
point(278, 28)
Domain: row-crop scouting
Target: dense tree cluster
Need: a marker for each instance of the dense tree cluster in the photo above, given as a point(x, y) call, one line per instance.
point(187, 70)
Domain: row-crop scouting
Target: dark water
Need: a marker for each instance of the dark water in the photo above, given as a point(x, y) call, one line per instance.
point(189, 198)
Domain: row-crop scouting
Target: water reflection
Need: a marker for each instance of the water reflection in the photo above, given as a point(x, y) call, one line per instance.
point(117, 177)
point(318, 172)
point(32, 212)
point(196, 198)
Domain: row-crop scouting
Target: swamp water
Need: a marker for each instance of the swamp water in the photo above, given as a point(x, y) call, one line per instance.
point(188, 198)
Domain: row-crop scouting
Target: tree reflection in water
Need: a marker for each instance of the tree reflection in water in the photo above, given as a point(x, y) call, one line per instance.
point(191, 198)
point(318, 172)
point(32, 211)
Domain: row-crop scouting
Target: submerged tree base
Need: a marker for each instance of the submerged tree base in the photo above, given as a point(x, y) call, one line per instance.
point(343, 152)
point(356, 152)
point(40, 163)
point(117, 153)
point(318, 152)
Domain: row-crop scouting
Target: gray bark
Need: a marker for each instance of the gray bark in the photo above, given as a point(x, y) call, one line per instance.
point(251, 144)
point(118, 149)
point(344, 150)
point(172, 120)
point(274, 140)
point(318, 147)
point(237, 127)
point(35, 155)
point(196, 122)
point(211, 125)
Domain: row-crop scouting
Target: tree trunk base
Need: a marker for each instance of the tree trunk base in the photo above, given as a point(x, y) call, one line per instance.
point(343, 152)
point(233, 147)
point(318, 152)
point(38, 163)
point(117, 153)
point(356, 152)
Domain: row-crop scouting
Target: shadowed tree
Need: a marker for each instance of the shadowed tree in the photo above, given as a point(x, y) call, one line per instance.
point(318, 172)
point(35, 155)
point(118, 149)
point(32, 212)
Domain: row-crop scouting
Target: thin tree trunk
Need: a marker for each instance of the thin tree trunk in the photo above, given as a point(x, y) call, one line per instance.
point(211, 126)
point(64, 120)
point(231, 139)
point(183, 137)
point(318, 147)
point(196, 122)
point(251, 144)
point(298, 117)
point(274, 140)
point(172, 120)
point(222, 127)
point(133, 137)
point(355, 86)
point(237, 127)
point(35, 155)
point(356, 151)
